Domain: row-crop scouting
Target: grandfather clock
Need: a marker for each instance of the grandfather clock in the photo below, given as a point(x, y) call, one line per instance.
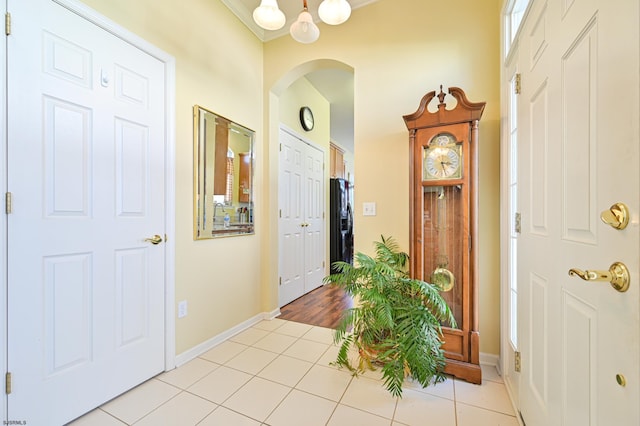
point(444, 212)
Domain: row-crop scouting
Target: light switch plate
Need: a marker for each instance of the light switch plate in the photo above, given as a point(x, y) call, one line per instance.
point(182, 309)
point(368, 209)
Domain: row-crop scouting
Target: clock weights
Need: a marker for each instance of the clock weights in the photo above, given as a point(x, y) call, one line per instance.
point(443, 218)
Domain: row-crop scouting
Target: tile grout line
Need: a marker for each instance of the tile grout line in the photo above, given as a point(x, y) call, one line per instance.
point(170, 399)
point(111, 415)
point(479, 407)
point(297, 338)
point(291, 388)
point(455, 402)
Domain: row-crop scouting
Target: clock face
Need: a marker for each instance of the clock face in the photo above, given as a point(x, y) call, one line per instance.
point(442, 159)
point(306, 118)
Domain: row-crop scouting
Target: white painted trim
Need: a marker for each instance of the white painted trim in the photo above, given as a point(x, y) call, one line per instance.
point(514, 403)
point(170, 88)
point(170, 218)
point(490, 360)
point(273, 314)
point(207, 345)
point(3, 220)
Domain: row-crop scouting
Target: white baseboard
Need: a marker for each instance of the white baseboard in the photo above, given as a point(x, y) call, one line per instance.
point(205, 346)
point(489, 359)
point(271, 315)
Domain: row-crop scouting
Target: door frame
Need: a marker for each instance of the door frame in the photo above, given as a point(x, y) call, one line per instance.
point(169, 185)
point(508, 67)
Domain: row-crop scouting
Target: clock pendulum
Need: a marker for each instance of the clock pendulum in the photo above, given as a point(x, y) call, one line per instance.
point(441, 276)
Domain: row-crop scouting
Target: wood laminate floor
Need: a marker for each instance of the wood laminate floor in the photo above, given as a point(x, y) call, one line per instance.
point(322, 307)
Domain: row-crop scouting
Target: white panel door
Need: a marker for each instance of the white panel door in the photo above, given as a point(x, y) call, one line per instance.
point(292, 216)
point(578, 155)
point(86, 170)
point(314, 224)
point(302, 224)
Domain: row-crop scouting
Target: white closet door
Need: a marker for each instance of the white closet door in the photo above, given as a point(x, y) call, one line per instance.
point(314, 238)
point(302, 223)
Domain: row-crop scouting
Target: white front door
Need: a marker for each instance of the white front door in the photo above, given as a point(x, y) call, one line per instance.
point(302, 224)
point(86, 143)
point(578, 140)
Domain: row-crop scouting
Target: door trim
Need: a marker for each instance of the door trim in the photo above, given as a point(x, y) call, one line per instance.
point(169, 185)
point(3, 221)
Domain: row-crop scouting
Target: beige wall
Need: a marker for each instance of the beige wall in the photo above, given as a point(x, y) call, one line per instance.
point(399, 50)
point(301, 93)
point(218, 66)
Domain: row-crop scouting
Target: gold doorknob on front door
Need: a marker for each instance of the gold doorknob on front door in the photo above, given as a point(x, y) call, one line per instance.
point(617, 276)
point(617, 216)
point(157, 239)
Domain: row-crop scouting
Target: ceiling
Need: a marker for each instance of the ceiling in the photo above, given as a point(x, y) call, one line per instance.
point(335, 85)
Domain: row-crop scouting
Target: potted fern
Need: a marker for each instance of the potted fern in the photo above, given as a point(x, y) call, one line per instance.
point(395, 323)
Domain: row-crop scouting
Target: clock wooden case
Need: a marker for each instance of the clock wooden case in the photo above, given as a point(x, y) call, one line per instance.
point(444, 218)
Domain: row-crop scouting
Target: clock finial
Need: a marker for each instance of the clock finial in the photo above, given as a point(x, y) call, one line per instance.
point(441, 95)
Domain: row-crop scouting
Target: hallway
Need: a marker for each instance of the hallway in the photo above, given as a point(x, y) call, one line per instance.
point(277, 373)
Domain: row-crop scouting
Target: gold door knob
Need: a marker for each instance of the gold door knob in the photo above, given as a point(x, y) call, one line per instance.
point(157, 239)
point(617, 275)
point(617, 216)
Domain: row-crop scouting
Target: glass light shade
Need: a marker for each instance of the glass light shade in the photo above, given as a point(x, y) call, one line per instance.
point(268, 15)
point(334, 12)
point(304, 30)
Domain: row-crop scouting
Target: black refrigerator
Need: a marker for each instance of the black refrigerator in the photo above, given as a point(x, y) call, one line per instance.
point(340, 222)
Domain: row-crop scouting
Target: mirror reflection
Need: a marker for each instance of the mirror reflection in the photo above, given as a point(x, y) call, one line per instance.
point(223, 176)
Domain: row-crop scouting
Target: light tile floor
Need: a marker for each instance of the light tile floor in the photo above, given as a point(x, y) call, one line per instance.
point(277, 373)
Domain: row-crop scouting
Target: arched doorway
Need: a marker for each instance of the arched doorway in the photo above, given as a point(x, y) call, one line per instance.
point(323, 75)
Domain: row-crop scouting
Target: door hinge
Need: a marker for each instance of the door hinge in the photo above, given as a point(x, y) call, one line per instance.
point(323, 264)
point(280, 212)
point(7, 384)
point(280, 280)
point(518, 362)
point(7, 23)
point(8, 203)
point(518, 223)
point(280, 147)
point(517, 87)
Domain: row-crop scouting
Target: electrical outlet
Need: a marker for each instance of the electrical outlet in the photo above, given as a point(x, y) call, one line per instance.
point(368, 209)
point(182, 309)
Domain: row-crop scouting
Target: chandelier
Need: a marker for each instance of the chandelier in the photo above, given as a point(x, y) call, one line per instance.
point(303, 30)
